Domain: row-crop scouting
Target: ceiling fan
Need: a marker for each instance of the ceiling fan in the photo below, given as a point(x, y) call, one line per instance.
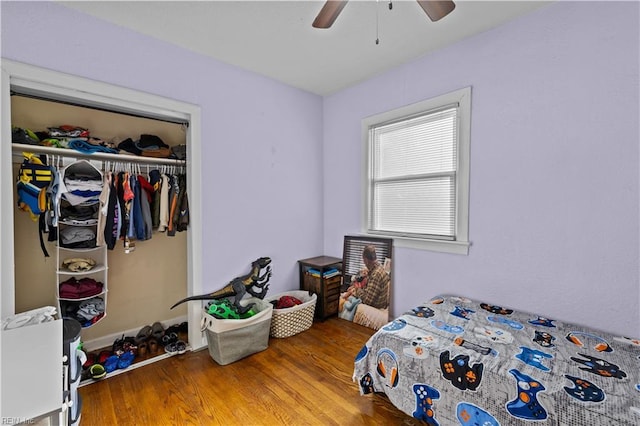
point(435, 9)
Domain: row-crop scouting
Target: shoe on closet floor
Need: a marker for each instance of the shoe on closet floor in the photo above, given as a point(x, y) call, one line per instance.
point(97, 372)
point(129, 345)
point(169, 338)
point(143, 348)
point(92, 359)
point(157, 330)
point(175, 328)
point(153, 346)
point(143, 334)
point(111, 363)
point(171, 349)
point(103, 356)
point(125, 360)
point(178, 347)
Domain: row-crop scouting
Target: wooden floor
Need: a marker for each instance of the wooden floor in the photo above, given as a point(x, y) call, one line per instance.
point(300, 380)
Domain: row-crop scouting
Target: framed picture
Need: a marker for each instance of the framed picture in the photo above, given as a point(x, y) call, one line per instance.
point(366, 281)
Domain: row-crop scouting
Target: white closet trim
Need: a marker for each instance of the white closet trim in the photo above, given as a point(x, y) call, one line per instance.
point(28, 79)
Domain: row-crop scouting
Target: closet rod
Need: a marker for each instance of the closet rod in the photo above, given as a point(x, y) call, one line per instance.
point(19, 148)
point(112, 110)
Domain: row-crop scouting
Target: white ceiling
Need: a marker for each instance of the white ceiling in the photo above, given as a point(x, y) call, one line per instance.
point(275, 38)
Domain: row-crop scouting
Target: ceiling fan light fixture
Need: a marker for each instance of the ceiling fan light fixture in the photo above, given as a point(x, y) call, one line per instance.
point(329, 13)
point(437, 9)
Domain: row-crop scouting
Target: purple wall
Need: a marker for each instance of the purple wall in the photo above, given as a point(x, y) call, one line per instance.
point(554, 165)
point(262, 195)
point(554, 185)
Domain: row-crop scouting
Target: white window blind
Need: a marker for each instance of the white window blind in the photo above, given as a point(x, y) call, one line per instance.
point(413, 175)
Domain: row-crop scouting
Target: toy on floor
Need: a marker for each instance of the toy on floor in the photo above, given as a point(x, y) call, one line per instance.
point(241, 285)
point(223, 309)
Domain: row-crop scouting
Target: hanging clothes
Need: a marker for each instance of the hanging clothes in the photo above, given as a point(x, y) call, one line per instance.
point(164, 204)
point(138, 220)
point(117, 204)
point(155, 179)
point(182, 221)
point(146, 198)
point(103, 210)
point(173, 209)
point(124, 223)
point(111, 231)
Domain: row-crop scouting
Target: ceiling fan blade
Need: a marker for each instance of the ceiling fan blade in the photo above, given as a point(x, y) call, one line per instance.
point(329, 13)
point(437, 9)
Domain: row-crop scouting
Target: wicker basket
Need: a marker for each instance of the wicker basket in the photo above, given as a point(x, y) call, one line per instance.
point(291, 321)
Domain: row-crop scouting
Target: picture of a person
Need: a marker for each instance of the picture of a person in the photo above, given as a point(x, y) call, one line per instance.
point(370, 286)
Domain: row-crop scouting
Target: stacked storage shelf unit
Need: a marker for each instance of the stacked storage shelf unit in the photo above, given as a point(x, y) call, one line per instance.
point(81, 263)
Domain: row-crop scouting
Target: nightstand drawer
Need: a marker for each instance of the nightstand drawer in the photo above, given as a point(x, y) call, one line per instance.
point(331, 308)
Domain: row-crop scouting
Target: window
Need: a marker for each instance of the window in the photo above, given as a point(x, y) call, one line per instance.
point(417, 173)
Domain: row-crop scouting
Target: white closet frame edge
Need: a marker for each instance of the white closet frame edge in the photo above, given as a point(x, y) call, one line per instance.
point(88, 92)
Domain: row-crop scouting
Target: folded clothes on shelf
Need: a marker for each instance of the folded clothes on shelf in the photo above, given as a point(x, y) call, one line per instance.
point(79, 289)
point(77, 237)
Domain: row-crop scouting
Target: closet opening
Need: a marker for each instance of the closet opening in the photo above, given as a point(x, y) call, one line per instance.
point(24, 92)
point(142, 283)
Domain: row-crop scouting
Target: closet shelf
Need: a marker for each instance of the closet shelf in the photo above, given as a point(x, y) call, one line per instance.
point(79, 250)
point(80, 299)
point(94, 222)
point(18, 148)
point(97, 268)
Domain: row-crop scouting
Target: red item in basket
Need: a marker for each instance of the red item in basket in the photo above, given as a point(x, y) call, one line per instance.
point(287, 302)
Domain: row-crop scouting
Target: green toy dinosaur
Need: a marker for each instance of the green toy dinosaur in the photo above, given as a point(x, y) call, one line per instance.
point(242, 285)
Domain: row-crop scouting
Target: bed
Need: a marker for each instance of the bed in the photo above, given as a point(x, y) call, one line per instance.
point(454, 361)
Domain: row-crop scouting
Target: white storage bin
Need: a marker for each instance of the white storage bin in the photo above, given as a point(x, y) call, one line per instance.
point(232, 339)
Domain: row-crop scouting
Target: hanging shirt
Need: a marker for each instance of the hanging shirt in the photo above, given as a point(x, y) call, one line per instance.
point(129, 197)
point(103, 210)
point(112, 220)
point(164, 204)
point(123, 226)
point(182, 221)
point(147, 196)
point(137, 209)
point(155, 179)
point(55, 191)
point(173, 205)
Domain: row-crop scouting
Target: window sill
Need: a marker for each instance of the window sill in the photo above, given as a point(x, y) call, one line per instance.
point(454, 247)
point(441, 246)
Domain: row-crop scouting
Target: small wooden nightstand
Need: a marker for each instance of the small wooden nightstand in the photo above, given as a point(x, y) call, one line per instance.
point(326, 287)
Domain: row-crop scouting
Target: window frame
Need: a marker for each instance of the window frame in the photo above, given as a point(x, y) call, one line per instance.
point(461, 243)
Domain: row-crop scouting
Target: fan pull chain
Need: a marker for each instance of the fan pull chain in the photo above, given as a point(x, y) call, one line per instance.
point(377, 23)
point(378, 20)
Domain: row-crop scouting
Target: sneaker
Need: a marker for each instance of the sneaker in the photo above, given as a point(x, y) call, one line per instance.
point(171, 349)
point(97, 371)
point(125, 360)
